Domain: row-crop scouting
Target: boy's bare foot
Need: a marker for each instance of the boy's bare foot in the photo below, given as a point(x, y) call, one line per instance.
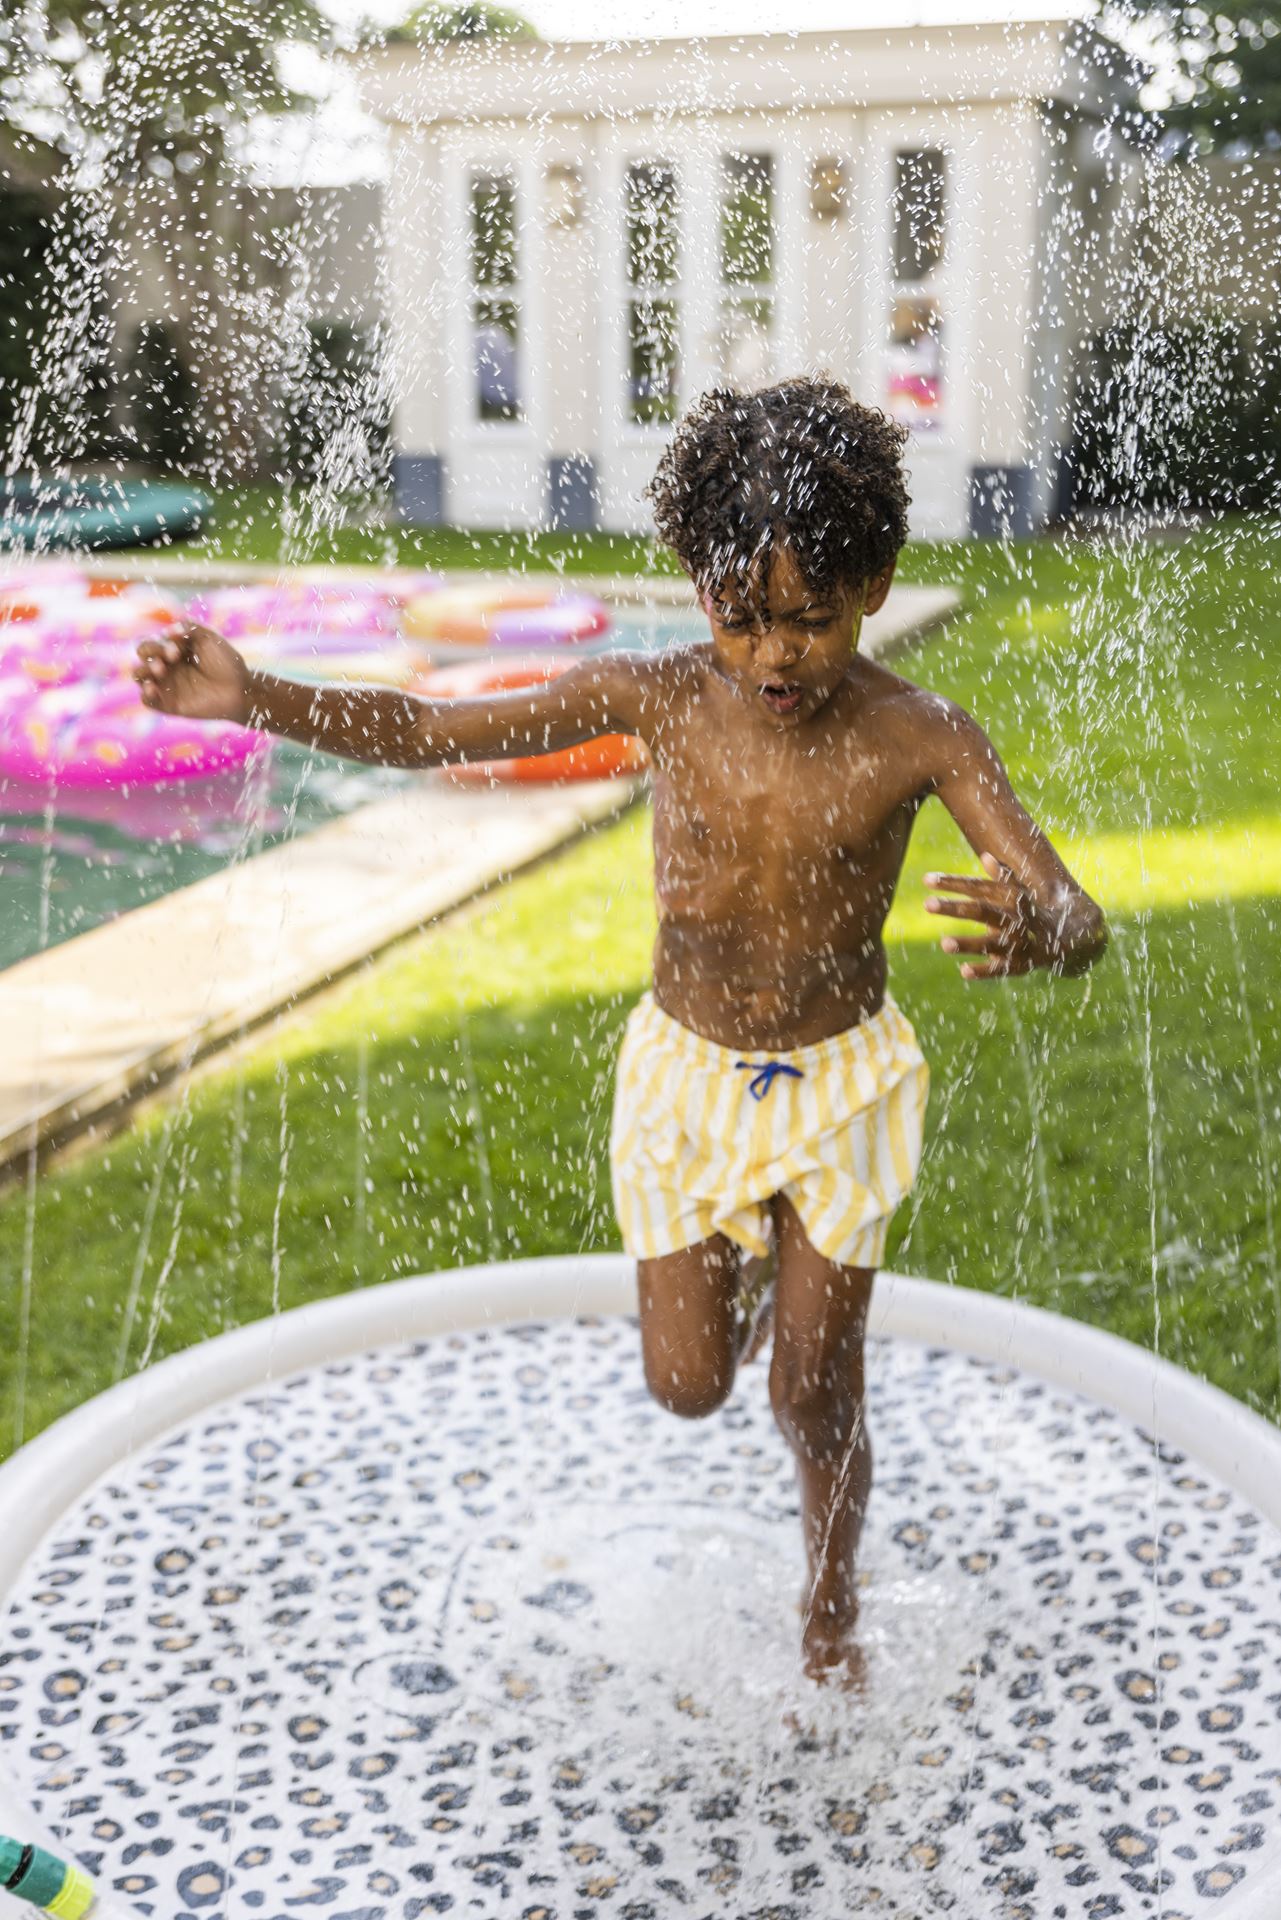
point(831, 1651)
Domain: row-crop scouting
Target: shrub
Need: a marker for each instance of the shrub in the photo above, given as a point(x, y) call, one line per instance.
point(335, 420)
point(1178, 417)
point(163, 403)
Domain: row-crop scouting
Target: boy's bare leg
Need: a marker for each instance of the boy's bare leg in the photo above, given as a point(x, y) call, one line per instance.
point(691, 1335)
point(816, 1386)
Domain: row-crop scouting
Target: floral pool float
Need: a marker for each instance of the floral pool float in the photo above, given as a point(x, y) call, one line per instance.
point(308, 630)
point(54, 631)
point(485, 617)
point(70, 713)
point(94, 733)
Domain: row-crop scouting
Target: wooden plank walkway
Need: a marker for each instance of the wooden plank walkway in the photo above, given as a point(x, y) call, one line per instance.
point(110, 1014)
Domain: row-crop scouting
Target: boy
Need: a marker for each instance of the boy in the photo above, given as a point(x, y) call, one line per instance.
point(770, 1094)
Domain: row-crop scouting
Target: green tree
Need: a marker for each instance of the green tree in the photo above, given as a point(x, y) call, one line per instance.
point(441, 24)
point(1226, 64)
point(146, 105)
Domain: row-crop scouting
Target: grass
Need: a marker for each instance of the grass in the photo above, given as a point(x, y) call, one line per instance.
point(1104, 1147)
point(263, 524)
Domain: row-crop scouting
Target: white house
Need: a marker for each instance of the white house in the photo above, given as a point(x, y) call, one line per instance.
point(582, 236)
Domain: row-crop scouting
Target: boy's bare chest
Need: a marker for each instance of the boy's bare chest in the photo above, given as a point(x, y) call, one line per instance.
point(742, 812)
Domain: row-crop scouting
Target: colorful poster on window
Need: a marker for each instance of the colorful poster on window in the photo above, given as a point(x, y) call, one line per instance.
point(916, 363)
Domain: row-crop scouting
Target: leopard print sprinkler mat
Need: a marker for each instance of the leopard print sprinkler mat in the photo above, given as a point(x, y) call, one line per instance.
point(469, 1626)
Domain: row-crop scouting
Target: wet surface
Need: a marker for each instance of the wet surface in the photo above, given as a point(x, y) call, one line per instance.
point(471, 1626)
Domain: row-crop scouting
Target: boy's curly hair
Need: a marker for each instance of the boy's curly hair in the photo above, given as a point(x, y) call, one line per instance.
point(802, 464)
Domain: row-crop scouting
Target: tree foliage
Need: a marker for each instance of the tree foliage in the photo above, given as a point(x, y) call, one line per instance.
point(439, 24)
point(1183, 417)
point(24, 244)
point(149, 85)
point(1226, 61)
point(143, 107)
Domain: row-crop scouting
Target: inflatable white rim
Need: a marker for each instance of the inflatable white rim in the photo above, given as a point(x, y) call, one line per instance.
point(49, 1473)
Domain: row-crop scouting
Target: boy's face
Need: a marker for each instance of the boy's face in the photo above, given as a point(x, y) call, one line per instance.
point(789, 660)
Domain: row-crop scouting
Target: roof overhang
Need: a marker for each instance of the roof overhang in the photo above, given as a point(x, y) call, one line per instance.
point(1063, 60)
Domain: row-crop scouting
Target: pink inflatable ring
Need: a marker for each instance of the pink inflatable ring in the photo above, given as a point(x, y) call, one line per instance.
point(95, 734)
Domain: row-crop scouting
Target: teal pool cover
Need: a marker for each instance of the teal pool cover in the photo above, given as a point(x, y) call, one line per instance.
point(60, 514)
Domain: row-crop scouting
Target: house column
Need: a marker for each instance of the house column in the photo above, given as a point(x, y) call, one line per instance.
point(791, 249)
point(416, 308)
point(1004, 485)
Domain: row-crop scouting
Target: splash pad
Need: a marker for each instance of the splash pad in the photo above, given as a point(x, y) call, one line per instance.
point(412, 1602)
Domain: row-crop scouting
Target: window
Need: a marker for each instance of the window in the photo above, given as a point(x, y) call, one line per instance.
point(829, 188)
point(747, 218)
point(918, 214)
point(565, 198)
point(747, 266)
point(495, 297)
point(652, 307)
point(917, 241)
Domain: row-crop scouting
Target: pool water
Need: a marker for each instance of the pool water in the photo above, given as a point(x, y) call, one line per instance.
point(69, 861)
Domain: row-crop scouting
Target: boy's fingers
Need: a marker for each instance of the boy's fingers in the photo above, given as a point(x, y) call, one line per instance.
point(993, 969)
point(192, 632)
point(185, 636)
point(958, 882)
point(981, 943)
point(991, 913)
point(155, 658)
point(974, 888)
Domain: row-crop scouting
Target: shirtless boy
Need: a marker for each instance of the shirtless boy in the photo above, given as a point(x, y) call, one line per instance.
point(770, 1094)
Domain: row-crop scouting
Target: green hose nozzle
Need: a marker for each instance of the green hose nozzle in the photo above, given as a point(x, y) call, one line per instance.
point(53, 1885)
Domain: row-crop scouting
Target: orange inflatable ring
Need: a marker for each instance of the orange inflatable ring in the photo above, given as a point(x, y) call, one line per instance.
point(464, 616)
point(604, 759)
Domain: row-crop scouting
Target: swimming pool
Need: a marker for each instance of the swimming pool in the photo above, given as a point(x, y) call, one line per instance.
point(73, 860)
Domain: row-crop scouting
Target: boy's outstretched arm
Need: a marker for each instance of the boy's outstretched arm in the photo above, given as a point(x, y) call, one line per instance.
point(1033, 912)
point(197, 673)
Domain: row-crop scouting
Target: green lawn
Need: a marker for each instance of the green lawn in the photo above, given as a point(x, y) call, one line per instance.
point(261, 524)
point(1105, 1147)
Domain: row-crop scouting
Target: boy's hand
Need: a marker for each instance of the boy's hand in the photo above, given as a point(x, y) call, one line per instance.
point(193, 671)
point(1020, 935)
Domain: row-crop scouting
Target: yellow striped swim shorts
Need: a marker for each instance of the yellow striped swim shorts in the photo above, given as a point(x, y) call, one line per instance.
point(704, 1136)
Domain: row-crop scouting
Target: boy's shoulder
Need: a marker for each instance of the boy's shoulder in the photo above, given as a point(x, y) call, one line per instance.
point(892, 696)
point(913, 721)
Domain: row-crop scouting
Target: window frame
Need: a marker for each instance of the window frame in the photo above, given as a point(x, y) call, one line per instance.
point(648, 433)
point(936, 284)
point(513, 165)
point(736, 294)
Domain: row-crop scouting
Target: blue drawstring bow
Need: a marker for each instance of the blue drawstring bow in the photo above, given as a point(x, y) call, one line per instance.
point(766, 1075)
